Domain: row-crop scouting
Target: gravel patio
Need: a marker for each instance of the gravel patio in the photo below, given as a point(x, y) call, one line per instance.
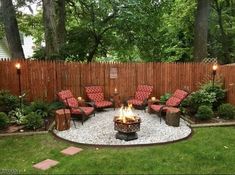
point(99, 130)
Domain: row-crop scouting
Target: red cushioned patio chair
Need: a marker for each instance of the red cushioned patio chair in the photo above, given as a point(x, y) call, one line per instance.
point(96, 95)
point(142, 94)
point(76, 109)
point(174, 101)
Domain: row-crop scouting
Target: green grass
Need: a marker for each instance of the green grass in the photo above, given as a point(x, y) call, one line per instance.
point(209, 151)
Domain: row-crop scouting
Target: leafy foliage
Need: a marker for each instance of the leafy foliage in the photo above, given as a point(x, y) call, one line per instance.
point(17, 115)
point(204, 112)
point(8, 101)
point(33, 121)
point(164, 98)
point(217, 90)
point(4, 120)
point(200, 98)
point(226, 111)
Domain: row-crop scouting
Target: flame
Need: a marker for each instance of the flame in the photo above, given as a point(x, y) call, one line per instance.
point(126, 114)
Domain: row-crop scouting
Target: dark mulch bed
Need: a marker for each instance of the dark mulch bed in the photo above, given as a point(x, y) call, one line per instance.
point(14, 128)
point(195, 120)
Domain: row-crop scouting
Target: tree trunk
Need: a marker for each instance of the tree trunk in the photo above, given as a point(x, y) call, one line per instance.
point(61, 31)
point(201, 30)
point(11, 29)
point(49, 19)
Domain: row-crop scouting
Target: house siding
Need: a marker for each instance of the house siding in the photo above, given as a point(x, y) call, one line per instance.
point(4, 51)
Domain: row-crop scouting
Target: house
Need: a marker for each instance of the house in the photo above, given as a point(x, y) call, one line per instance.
point(27, 45)
point(4, 51)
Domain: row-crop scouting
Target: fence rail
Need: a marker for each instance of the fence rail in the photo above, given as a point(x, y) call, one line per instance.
point(43, 79)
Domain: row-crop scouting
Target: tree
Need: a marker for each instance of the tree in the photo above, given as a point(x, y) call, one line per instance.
point(11, 28)
point(201, 30)
point(51, 37)
point(61, 14)
point(222, 33)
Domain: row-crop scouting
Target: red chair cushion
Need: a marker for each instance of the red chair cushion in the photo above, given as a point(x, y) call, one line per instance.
point(156, 107)
point(94, 89)
point(96, 97)
point(65, 94)
point(71, 102)
point(145, 88)
point(101, 104)
point(180, 94)
point(173, 101)
point(87, 110)
point(141, 95)
point(135, 102)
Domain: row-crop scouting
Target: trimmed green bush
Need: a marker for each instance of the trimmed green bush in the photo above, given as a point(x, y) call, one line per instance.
point(226, 111)
point(200, 98)
point(8, 101)
point(4, 120)
point(218, 90)
point(33, 121)
point(204, 112)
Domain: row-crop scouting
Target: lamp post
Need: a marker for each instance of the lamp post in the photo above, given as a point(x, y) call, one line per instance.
point(18, 71)
point(214, 68)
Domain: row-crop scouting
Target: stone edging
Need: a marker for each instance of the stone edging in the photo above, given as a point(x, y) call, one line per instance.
point(28, 133)
point(194, 125)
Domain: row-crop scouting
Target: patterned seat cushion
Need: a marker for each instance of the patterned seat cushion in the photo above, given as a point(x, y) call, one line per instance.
point(87, 110)
point(65, 94)
point(145, 88)
point(102, 104)
point(96, 97)
point(142, 95)
point(180, 94)
point(173, 101)
point(93, 89)
point(135, 102)
point(157, 108)
point(71, 102)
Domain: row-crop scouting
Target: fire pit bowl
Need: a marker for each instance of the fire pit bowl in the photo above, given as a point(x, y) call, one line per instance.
point(127, 128)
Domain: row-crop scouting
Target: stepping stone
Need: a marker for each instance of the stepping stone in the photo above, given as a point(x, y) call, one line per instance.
point(71, 150)
point(46, 164)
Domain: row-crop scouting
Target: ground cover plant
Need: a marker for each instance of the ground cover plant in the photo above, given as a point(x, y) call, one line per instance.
point(209, 151)
point(17, 111)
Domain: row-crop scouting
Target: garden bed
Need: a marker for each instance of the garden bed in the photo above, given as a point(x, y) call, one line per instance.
point(194, 122)
point(14, 128)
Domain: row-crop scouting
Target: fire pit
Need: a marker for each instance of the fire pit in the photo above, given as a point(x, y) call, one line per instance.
point(127, 124)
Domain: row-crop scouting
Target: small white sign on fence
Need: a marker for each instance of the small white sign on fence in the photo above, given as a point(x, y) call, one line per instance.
point(113, 73)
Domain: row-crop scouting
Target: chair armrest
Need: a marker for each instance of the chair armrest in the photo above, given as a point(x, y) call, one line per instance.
point(80, 109)
point(90, 103)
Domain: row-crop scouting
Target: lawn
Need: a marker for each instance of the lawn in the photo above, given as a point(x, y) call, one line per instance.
point(209, 151)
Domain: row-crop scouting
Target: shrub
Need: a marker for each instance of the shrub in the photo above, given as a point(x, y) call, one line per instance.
point(200, 98)
point(43, 108)
point(217, 90)
point(4, 120)
point(164, 98)
point(226, 111)
point(17, 115)
point(33, 121)
point(8, 101)
point(204, 112)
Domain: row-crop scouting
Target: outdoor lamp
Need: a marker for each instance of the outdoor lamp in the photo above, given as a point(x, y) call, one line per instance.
point(17, 65)
point(18, 71)
point(214, 68)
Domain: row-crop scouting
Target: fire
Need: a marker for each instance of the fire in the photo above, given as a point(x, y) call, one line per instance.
point(126, 114)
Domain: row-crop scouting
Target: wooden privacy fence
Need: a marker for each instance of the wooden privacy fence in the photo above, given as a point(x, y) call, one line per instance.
point(43, 79)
